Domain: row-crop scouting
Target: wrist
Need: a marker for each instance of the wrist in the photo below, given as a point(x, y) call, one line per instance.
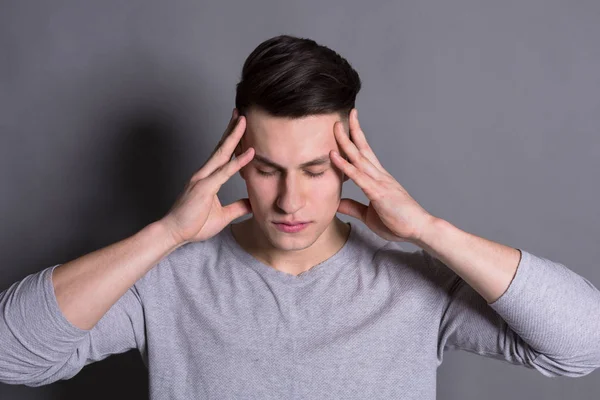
point(430, 232)
point(163, 229)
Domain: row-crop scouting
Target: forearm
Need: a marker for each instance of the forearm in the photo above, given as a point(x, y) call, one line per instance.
point(87, 287)
point(488, 267)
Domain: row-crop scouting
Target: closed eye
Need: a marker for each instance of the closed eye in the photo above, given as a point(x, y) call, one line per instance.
point(310, 174)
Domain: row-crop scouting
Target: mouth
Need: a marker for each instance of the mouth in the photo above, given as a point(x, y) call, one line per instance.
point(291, 228)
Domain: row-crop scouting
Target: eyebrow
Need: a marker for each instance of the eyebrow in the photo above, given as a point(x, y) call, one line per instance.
point(317, 161)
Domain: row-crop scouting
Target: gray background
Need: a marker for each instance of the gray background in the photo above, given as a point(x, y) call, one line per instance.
point(487, 112)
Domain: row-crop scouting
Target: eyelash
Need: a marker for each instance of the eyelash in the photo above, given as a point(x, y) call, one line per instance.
point(310, 175)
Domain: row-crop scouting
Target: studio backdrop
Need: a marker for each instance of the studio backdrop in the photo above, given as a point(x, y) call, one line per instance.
point(487, 112)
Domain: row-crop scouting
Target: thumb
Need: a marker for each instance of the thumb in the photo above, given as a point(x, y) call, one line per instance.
point(237, 209)
point(353, 208)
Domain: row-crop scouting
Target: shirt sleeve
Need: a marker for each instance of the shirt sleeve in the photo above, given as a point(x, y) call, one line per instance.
point(548, 319)
point(40, 346)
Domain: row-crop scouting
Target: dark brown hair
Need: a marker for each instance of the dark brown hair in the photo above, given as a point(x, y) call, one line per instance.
point(294, 77)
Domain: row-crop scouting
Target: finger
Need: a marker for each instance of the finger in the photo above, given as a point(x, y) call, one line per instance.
point(224, 152)
point(232, 122)
point(354, 154)
point(237, 209)
point(364, 181)
point(222, 175)
point(360, 140)
point(230, 126)
point(354, 209)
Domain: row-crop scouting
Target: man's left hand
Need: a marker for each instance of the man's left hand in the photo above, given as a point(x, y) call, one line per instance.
point(392, 213)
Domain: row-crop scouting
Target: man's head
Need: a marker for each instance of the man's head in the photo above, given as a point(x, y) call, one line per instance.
point(291, 92)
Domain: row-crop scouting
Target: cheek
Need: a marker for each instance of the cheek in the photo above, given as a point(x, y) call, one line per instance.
point(327, 187)
point(260, 189)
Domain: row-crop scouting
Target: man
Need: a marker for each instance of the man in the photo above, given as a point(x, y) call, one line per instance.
point(292, 302)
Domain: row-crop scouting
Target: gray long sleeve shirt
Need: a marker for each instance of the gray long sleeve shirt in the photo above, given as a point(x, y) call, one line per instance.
point(370, 322)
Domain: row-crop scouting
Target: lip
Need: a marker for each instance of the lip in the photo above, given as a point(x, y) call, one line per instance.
point(287, 228)
point(291, 223)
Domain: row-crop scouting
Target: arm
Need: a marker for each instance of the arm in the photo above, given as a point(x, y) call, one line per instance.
point(529, 311)
point(100, 295)
point(88, 286)
point(510, 304)
point(56, 321)
point(488, 267)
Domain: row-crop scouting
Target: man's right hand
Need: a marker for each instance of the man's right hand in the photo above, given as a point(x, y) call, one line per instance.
point(197, 214)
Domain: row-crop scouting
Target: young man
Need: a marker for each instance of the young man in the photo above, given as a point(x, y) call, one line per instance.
point(292, 302)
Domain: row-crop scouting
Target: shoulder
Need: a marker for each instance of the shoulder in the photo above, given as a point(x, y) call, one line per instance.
point(398, 259)
point(186, 260)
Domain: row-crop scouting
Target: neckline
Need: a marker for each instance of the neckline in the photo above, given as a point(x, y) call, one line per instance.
point(338, 260)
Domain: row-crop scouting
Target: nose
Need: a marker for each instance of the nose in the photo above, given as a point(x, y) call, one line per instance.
point(291, 197)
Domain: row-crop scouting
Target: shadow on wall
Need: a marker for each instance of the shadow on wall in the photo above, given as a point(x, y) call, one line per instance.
point(138, 176)
point(118, 377)
point(135, 114)
point(137, 152)
point(139, 166)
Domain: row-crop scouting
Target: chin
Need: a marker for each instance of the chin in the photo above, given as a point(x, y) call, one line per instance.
point(296, 246)
point(291, 241)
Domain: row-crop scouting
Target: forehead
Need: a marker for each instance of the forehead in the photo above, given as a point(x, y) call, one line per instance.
point(261, 126)
point(290, 141)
